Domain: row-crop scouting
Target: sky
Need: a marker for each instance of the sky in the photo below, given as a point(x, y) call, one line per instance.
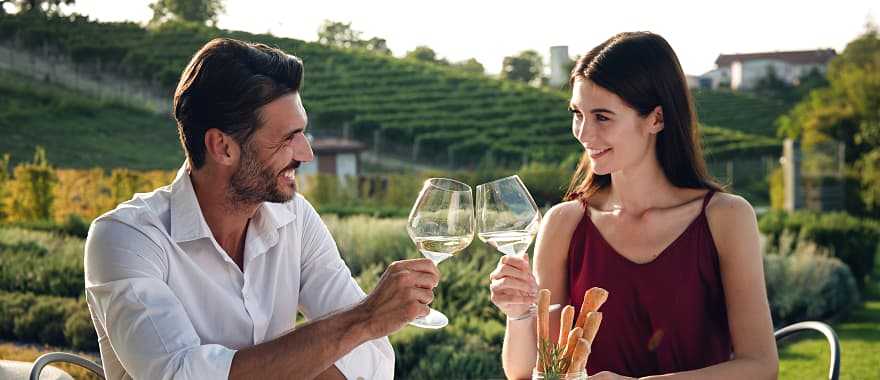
point(489, 30)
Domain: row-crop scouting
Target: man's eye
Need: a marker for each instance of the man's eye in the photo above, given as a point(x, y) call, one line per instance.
point(601, 117)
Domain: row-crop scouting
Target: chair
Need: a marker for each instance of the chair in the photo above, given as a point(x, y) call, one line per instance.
point(830, 335)
point(64, 357)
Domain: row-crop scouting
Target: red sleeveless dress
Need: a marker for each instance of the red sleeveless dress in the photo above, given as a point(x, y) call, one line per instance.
point(668, 315)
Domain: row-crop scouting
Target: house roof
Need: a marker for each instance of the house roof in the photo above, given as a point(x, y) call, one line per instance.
point(330, 145)
point(800, 57)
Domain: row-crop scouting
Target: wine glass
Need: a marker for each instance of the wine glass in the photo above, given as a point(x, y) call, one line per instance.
point(508, 218)
point(441, 224)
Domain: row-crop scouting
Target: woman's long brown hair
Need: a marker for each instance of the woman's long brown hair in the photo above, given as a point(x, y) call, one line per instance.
point(643, 70)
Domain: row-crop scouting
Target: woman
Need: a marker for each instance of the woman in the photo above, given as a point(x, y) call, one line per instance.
point(642, 219)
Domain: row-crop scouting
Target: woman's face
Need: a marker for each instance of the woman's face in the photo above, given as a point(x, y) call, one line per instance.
point(613, 134)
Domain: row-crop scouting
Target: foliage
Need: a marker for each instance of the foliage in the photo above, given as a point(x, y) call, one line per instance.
point(527, 66)
point(846, 111)
point(455, 117)
point(30, 192)
point(471, 65)
point(51, 320)
point(425, 54)
point(852, 240)
point(339, 34)
point(38, 6)
point(195, 11)
point(807, 286)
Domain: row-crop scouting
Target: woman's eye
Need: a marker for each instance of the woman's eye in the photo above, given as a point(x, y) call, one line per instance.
point(601, 117)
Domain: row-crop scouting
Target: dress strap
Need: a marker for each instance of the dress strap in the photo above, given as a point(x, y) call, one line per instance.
point(707, 198)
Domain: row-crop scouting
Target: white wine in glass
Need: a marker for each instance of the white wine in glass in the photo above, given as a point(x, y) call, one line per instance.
point(441, 224)
point(507, 217)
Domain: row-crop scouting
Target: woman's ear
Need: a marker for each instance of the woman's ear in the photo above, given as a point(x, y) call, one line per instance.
point(221, 147)
point(656, 120)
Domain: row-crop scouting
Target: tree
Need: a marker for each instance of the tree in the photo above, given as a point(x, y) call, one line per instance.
point(197, 11)
point(425, 54)
point(41, 6)
point(471, 65)
point(527, 66)
point(341, 35)
point(378, 45)
point(338, 34)
point(847, 110)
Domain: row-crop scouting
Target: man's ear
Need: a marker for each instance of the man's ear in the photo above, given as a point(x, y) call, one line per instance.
point(656, 120)
point(221, 147)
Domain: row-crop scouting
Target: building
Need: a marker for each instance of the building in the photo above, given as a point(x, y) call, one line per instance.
point(560, 64)
point(743, 71)
point(334, 156)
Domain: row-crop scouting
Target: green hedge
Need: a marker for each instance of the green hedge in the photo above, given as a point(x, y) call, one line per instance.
point(41, 263)
point(854, 241)
point(57, 321)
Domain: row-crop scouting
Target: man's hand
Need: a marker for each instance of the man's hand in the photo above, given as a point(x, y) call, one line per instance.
point(402, 295)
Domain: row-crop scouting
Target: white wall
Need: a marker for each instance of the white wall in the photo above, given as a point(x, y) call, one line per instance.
point(717, 76)
point(346, 164)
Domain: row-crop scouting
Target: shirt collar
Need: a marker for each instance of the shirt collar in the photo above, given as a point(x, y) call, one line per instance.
point(188, 223)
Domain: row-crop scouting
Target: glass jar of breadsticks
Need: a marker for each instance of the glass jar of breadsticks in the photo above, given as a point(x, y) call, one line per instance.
point(566, 359)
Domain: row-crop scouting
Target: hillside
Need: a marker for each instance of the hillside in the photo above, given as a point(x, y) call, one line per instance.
point(415, 109)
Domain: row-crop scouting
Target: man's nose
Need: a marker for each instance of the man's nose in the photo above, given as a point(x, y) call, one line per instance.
point(302, 149)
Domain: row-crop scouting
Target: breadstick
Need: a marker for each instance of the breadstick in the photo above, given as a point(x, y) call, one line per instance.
point(573, 337)
point(565, 325)
point(593, 300)
point(594, 319)
point(543, 323)
point(579, 358)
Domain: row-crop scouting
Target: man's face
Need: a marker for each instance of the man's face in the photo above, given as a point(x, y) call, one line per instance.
point(267, 167)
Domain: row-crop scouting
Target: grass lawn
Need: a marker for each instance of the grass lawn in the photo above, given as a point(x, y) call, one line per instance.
point(807, 358)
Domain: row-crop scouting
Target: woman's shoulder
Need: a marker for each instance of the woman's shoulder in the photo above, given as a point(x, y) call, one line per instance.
point(727, 207)
point(564, 215)
point(731, 218)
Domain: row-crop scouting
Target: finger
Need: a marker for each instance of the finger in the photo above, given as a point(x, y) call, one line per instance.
point(418, 265)
point(511, 271)
point(423, 280)
point(520, 262)
point(510, 283)
point(424, 296)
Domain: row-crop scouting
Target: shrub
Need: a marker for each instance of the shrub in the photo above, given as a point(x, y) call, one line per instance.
point(79, 330)
point(51, 320)
point(40, 262)
point(44, 321)
point(854, 241)
point(13, 306)
point(365, 241)
point(30, 192)
point(808, 286)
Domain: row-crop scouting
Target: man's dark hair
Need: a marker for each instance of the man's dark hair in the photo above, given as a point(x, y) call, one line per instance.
point(224, 86)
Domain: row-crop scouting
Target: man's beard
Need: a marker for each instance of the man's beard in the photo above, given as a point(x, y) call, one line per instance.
point(253, 183)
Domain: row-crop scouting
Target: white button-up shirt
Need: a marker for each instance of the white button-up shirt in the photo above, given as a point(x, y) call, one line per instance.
point(168, 302)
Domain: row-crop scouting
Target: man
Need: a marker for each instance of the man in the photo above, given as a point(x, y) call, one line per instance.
point(202, 279)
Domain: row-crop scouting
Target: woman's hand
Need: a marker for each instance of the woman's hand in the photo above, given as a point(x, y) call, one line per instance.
point(606, 375)
point(513, 286)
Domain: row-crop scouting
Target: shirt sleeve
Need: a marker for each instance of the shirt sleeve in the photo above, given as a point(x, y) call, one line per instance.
point(327, 286)
point(148, 329)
